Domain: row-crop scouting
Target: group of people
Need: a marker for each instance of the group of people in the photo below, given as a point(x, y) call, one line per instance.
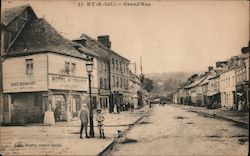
point(124, 107)
point(84, 117)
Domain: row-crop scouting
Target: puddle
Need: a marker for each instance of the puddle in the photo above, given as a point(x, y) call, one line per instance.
point(180, 117)
point(241, 125)
point(243, 140)
point(224, 129)
point(190, 123)
point(239, 135)
point(128, 141)
point(144, 122)
point(213, 136)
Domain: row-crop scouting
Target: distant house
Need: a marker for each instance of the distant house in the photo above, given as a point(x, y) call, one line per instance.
point(195, 90)
point(227, 84)
point(242, 82)
point(134, 89)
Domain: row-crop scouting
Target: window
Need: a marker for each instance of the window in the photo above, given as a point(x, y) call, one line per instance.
point(67, 67)
point(121, 82)
point(113, 64)
point(29, 66)
point(117, 81)
point(120, 66)
point(104, 66)
point(101, 85)
point(116, 64)
point(73, 67)
point(100, 65)
point(113, 81)
point(105, 84)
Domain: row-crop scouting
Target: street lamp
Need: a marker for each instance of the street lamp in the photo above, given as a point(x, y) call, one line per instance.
point(89, 67)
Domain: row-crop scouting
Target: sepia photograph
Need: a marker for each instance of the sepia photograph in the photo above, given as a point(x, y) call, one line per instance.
point(125, 77)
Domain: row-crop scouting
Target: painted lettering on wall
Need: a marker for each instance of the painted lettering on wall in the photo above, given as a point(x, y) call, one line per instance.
point(67, 82)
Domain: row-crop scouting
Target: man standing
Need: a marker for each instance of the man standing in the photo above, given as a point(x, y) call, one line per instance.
point(83, 115)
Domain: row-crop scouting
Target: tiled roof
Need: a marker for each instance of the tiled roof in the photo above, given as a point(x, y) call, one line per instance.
point(197, 82)
point(99, 49)
point(91, 44)
point(10, 14)
point(40, 36)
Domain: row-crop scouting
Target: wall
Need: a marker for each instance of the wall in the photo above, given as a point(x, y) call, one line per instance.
point(227, 88)
point(15, 78)
point(58, 78)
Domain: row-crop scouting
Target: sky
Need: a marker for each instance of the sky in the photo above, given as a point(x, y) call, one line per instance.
point(169, 36)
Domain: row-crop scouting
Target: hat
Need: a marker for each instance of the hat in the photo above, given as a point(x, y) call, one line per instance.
point(98, 109)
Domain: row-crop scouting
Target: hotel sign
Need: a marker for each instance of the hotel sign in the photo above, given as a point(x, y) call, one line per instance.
point(65, 82)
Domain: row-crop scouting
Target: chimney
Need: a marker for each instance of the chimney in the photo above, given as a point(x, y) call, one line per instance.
point(81, 40)
point(210, 68)
point(218, 63)
point(104, 39)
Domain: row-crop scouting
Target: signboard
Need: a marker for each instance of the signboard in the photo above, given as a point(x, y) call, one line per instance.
point(64, 82)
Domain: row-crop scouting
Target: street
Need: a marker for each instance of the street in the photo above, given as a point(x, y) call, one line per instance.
point(170, 130)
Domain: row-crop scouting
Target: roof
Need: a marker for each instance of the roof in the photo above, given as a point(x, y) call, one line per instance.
point(99, 49)
point(93, 47)
point(40, 36)
point(10, 14)
point(197, 82)
point(84, 50)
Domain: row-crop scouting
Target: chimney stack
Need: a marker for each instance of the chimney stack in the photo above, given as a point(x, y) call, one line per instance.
point(104, 39)
point(218, 63)
point(210, 68)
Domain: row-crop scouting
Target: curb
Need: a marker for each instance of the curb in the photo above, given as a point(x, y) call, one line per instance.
point(105, 151)
point(242, 124)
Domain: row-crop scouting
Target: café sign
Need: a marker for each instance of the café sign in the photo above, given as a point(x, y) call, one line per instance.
point(67, 82)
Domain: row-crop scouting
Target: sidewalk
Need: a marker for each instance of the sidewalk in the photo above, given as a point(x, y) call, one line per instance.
point(63, 138)
point(241, 117)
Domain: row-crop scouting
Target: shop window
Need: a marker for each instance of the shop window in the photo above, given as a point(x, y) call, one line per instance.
point(38, 100)
point(5, 103)
point(29, 66)
point(67, 67)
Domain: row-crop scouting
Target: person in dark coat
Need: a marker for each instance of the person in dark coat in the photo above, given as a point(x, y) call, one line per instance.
point(83, 116)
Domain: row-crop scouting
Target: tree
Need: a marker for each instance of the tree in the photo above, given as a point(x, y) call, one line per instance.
point(148, 84)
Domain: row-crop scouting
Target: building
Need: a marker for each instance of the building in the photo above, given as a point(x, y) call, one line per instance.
point(227, 88)
point(195, 90)
point(242, 82)
point(213, 90)
point(42, 72)
point(134, 89)
point(13, 20)
point(100, 87)
point(119, 75)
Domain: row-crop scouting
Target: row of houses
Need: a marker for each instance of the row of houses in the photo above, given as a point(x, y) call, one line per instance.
point(225, 85)
point(42, 71)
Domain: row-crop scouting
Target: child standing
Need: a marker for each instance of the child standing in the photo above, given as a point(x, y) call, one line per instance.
point(100, 119)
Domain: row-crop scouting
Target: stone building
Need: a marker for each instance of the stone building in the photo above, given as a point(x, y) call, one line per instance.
point(101, 86)
point(242, 82)
point(42, 72)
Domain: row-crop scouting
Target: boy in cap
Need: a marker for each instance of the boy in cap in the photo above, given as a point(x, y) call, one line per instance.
point(100, 119)
point(83, 115)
